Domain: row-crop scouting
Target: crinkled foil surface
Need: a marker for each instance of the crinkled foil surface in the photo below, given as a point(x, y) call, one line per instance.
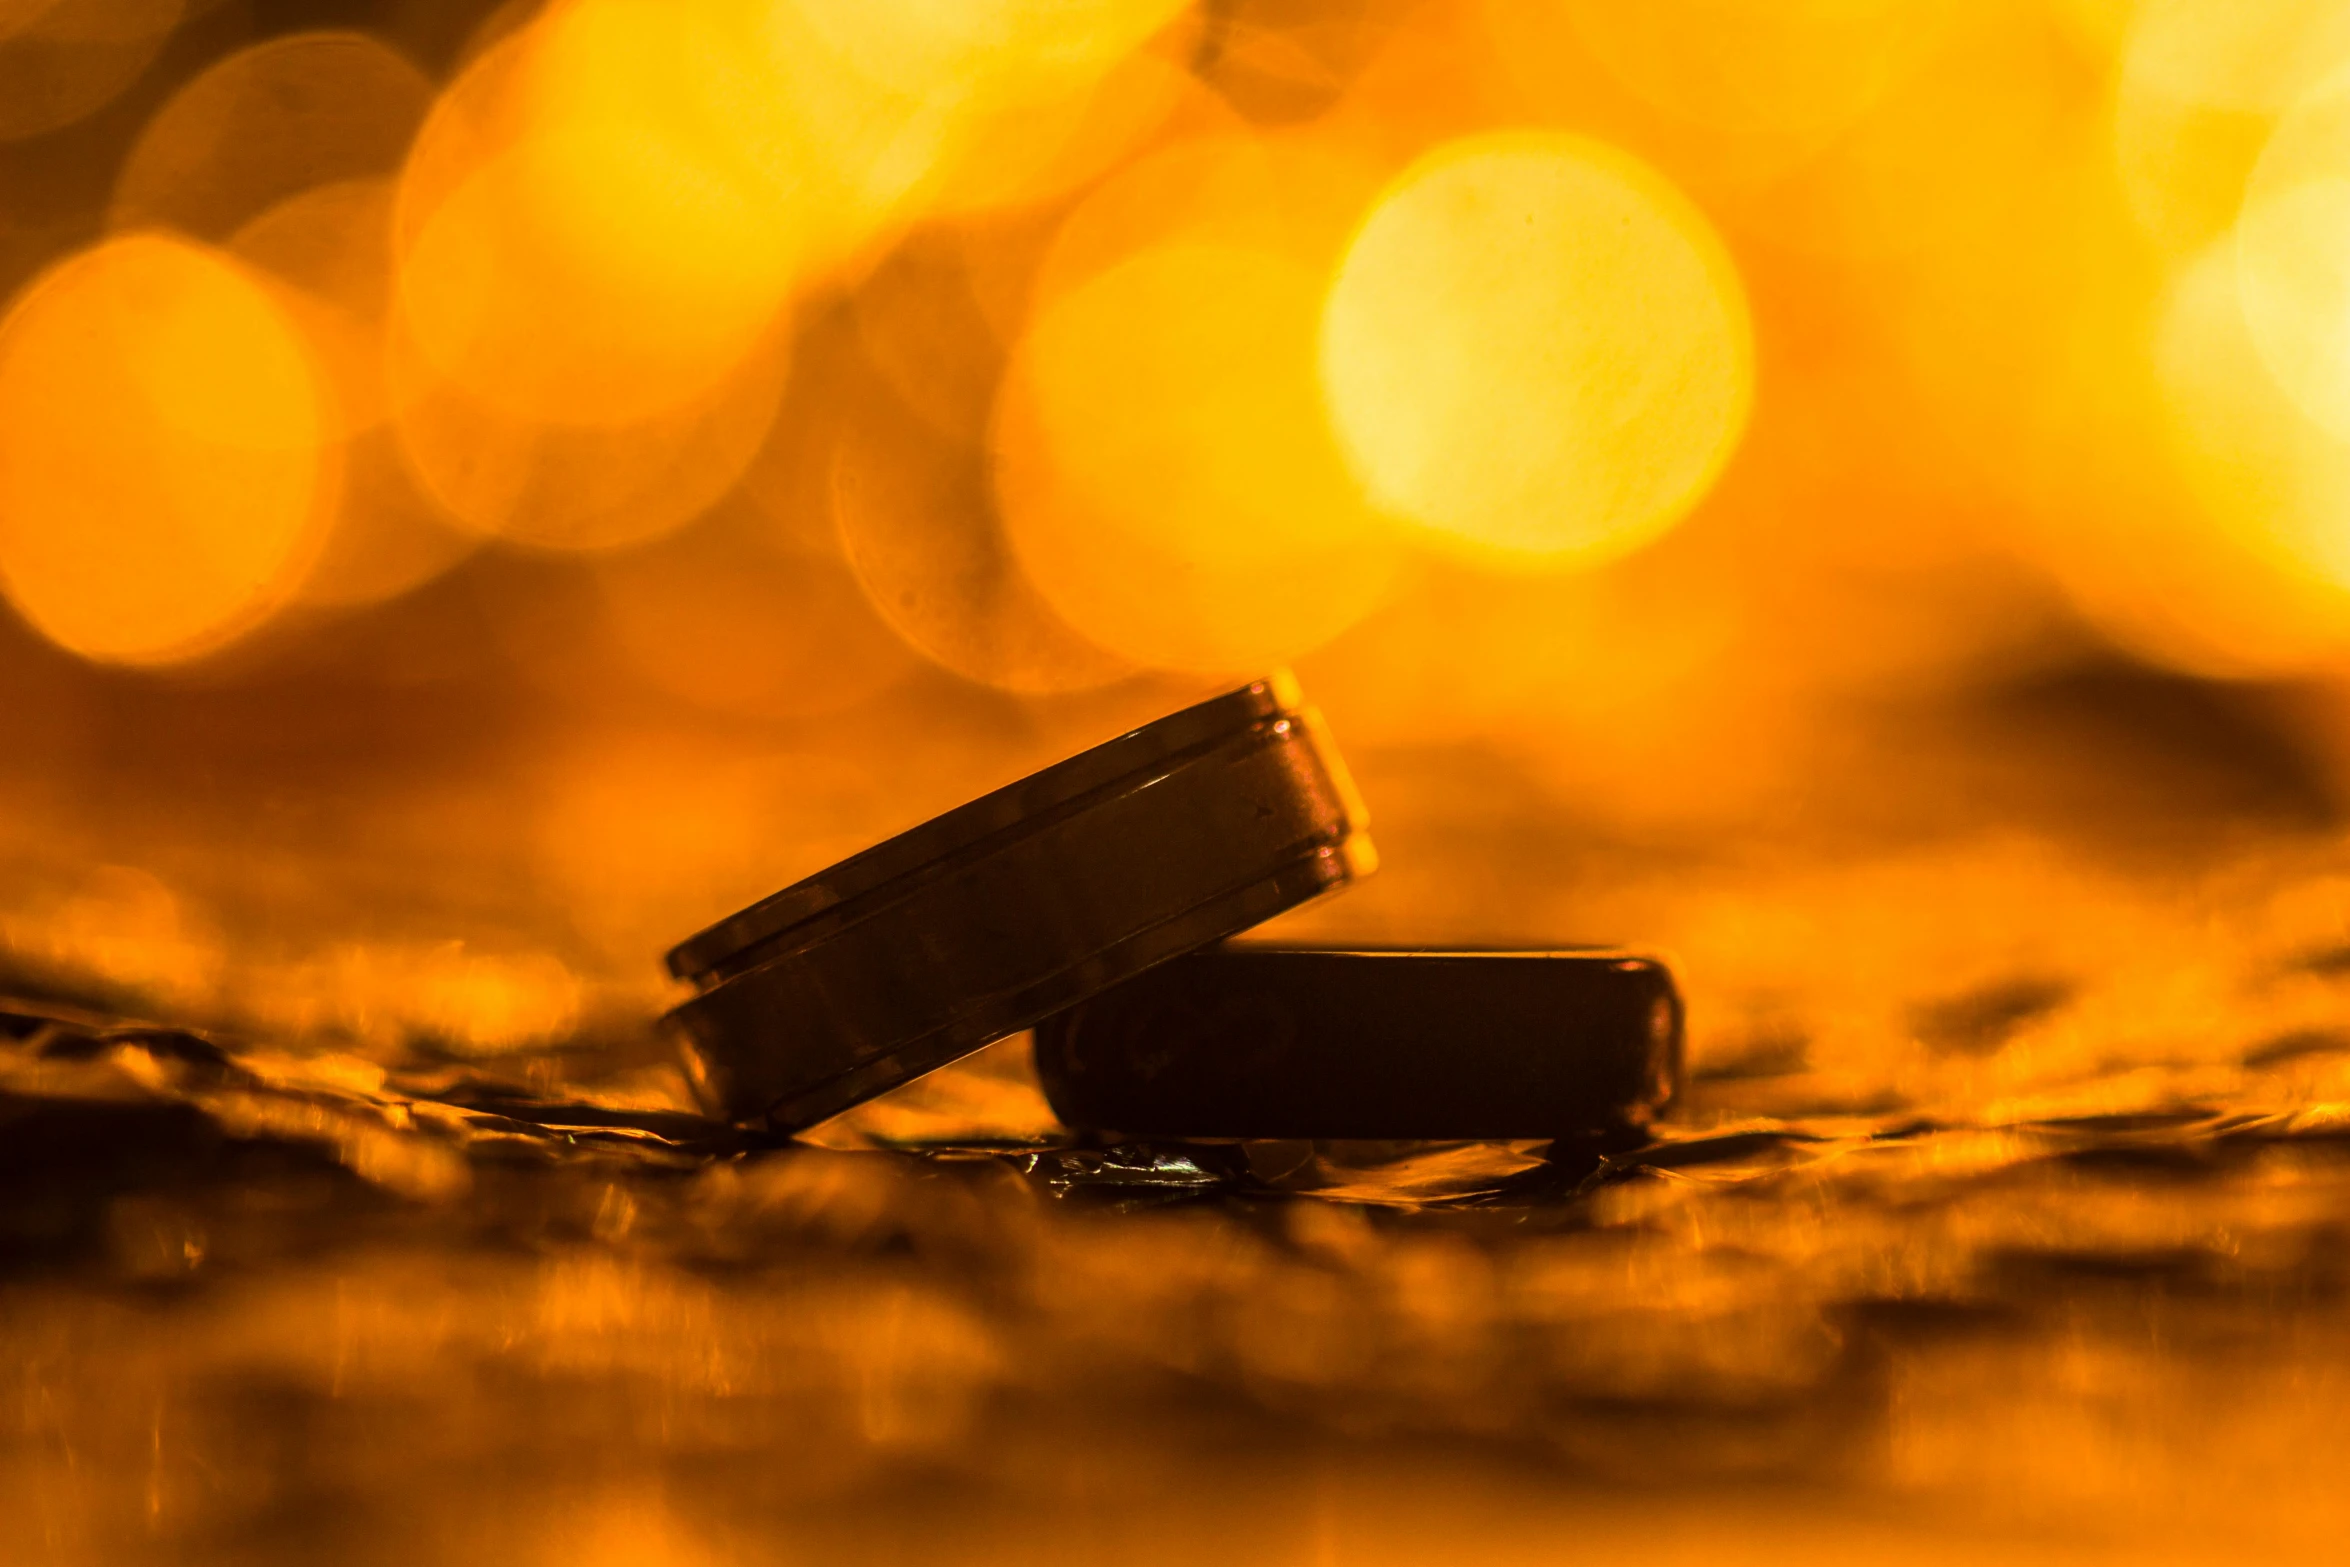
point(488, 487)
point(2049, 1265)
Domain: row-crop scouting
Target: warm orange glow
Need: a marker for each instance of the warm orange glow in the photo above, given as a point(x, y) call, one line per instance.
point(266, 124)
point(1299, 195)
point(61, 60)
point(2269, 551)
point(1897, 181)
point(1041, 151)
point(935, 322)
point(562, 334)
point(2073, 365)
point(918, 523)
point(331, 246)
point(2293, 254)
point(120, 925)
point(1005, 100)
point(1535, 345)
point(570, 258)
point(2233, 147)
point(586, 486)
point(1074, 246)
point(2201, 82)
point(1852, 495)
point(597, 237)
point(161, 424)
point(1795, 70)
point(721, 624)
point(1166, 473)
point(610, 209)
point(997, 52)
point(1164, 468)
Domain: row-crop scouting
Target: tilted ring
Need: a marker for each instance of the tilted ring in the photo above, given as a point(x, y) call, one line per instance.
point(1024, 902)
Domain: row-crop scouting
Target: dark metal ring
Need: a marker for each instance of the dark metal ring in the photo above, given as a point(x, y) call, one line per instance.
point(1026, 901)
point(1285, 1042)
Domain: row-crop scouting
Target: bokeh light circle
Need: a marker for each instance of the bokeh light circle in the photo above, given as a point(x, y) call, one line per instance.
point(917, 524)
point(580, 487)
point(1536, 348)
point(2247, 579)
point(162, 467)
point(1165, 474)
point(996, 52)
point(2293, 254)
point(63, 60)
point(267, 123)
point(2228, 56)
point(1798, 69)
point(577, 243)
point(330, 248)
point(560, 330)
point(2198, 82)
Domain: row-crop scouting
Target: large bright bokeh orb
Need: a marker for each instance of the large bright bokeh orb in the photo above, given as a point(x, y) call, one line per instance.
point(162, 464)
point(1164, 471)
point(2293, 254)
point(1536, 348)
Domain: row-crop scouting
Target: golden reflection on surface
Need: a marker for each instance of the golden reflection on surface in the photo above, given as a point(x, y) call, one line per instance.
point(1848, 494)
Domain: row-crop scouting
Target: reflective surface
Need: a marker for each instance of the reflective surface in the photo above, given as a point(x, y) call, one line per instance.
point(1990, 1285)
point(566, 470)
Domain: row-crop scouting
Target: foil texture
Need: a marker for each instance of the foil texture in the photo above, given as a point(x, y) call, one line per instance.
point(278, 1305)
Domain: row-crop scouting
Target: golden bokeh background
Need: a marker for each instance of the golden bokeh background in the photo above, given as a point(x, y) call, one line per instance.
point(1854, 493)
point(517, 481)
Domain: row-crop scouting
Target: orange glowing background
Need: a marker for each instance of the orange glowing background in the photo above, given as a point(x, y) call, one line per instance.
point(545, 473)
point(1852, 493)
point(574, 465)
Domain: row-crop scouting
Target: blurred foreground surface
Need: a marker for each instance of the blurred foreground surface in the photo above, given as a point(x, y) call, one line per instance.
point(2005, 1214)
point(1847, 494)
